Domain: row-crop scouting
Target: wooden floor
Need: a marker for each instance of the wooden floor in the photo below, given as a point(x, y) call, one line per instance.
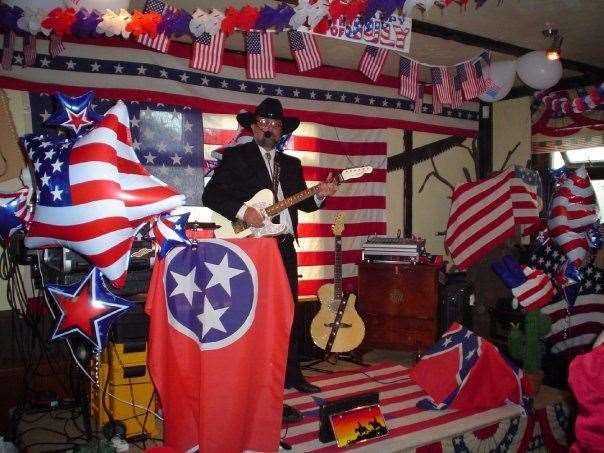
point(60, 430)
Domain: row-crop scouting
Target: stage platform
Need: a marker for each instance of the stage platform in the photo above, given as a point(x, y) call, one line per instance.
point(502, 429)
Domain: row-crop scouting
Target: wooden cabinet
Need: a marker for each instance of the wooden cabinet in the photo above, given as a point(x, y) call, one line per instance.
point(399, 304)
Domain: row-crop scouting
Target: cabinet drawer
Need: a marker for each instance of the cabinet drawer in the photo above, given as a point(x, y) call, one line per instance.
point(398, 290)
point(399, 333)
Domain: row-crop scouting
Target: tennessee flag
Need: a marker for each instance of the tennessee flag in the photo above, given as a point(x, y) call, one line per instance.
point(220, 314)
point(465, 371)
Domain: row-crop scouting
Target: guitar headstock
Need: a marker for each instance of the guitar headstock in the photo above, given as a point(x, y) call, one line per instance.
point(355, 172)
point(338, 224)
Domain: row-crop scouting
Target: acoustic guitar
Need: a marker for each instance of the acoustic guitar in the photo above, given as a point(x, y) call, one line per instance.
point(337, 327)
point(263, 201)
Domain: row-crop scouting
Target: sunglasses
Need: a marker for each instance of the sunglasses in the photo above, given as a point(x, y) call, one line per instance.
point(266, 122)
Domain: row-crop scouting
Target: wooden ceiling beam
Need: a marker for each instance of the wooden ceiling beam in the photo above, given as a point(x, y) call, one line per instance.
point(438, 31)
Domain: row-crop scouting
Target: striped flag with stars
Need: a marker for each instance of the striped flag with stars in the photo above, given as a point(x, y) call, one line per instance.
point(305, 50)
point(166, 139)
point(372, 61)
point(260, 55)
point(441, 84)
point(161, 41)
point(207, 52)
point(408, 73)
point(8, 50)
point(574, 329)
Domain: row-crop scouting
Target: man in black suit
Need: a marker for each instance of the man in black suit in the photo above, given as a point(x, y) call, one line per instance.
point(249, 168)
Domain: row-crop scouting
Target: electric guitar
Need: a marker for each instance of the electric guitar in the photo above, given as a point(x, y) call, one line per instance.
point(337, 327)
point(263, 201)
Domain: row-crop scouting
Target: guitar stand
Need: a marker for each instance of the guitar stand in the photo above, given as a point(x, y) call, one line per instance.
point(350, 357)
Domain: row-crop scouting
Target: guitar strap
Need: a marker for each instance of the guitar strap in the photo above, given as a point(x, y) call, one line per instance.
point(275, 175)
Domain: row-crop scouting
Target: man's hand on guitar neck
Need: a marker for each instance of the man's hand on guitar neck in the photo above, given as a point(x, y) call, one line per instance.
point(253, 217)
point(327, 188)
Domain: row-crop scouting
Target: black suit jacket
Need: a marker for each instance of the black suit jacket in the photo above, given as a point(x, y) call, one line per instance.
point(242, 173)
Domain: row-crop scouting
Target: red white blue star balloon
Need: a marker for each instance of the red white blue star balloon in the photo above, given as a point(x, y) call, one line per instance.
point(74, 113)
point(169, 231)
point(14, 212)
point(86, 308)
point(93, 194)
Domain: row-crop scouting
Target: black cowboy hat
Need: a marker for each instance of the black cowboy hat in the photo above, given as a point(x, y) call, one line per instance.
point(269, 108)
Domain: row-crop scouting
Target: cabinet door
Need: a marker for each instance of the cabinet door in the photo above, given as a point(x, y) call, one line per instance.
point(398, 290)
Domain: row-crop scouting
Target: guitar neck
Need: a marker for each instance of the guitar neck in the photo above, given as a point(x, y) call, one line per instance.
point(338, 301)
point(288, 202)
point(282, 205)
point(337, 269)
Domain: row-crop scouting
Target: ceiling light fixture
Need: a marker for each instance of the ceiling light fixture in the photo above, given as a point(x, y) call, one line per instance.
point(554, 51)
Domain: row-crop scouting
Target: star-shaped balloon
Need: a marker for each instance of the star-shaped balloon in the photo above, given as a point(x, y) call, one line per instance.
point(14, 212)
point(87, 308)
point(93, 194)
point(74, 113)
point(169, 231)
point(568, 281)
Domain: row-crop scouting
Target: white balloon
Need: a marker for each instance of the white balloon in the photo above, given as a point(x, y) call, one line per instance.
point(502, 74)
point(408, 6)
point(537, 71)
point(100, 5)
point(427, 4)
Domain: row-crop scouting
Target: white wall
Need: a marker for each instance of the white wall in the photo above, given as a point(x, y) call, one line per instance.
point(511, 124)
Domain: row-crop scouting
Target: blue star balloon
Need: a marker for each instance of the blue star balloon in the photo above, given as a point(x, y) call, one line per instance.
point(568, 280)
point(14, 212)
point(170, 231)
point(74, 113)
point(86, 308)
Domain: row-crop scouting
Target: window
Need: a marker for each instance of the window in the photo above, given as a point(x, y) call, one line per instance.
point(593, 159)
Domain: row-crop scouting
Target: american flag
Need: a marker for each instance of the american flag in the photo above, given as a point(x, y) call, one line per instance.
point(8, 50)
point(29, 50)
point(419, 98)
point(456, 94)
point(161, 41)
point(207, 52)
point(260, 55)
point(441, 84)
point(437, 105)
point(574, 329)
point(573, 211)
point(525, 198)
point(484, 214)
point(56, 46)
point(409, 427)
point(484, 80)
point(167, 140)
point(408, 72)
point(322, 149)
point(469, 80)
point(372, 61)
point(93, 194)
point(305, 50)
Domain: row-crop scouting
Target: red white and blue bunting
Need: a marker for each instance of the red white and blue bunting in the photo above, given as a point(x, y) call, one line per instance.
point(372, 23)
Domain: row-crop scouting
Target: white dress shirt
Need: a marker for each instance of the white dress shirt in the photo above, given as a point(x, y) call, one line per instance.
point(284, 216)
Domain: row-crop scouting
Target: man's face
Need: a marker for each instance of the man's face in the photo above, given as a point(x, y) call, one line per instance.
point(263, 125)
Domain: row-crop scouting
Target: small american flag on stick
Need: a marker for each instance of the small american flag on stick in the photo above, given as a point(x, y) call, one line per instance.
point(372, 61)
point(304, 50)
point(161, 41)
point(207, 52)
point(408, 72)
point(260, 56)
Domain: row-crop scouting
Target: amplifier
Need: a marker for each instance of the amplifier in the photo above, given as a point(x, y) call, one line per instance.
point(392, 249)
point(65, 267)
point(65, 261)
